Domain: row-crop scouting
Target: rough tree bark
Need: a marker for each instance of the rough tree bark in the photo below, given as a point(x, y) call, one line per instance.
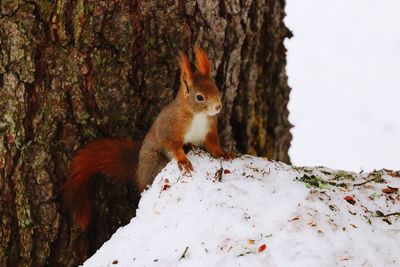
point(74, 70)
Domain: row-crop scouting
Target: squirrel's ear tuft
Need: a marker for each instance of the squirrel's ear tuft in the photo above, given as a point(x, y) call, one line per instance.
point(186, 71)
point(203, 65)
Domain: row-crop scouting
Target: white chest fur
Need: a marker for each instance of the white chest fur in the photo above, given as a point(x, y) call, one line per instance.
point(197, 131)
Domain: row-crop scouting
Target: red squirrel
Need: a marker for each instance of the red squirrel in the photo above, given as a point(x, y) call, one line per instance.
point(189, 119)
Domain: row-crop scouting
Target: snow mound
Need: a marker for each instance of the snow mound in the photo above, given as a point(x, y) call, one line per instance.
point(256, 212)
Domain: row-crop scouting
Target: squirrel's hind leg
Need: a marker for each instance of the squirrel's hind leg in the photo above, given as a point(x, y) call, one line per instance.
point(150, 164)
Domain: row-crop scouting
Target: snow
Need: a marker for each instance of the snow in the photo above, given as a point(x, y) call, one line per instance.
point(343, 67)
point(201, 220)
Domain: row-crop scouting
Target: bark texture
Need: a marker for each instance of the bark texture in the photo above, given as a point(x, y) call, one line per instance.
point(73, 70)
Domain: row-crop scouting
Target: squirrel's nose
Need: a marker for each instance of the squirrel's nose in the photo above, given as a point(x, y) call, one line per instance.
point(218, 107)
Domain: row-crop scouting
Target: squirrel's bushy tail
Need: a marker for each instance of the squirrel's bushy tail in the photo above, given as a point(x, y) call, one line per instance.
point(116, 158)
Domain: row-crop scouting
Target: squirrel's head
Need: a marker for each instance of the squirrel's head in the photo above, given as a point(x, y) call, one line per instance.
point(197, 88)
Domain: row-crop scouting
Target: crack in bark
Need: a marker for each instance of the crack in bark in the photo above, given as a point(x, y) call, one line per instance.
point(12, 250)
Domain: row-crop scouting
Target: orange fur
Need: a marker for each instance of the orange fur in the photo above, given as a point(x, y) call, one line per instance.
point(187, 119)
point(186, 71)
point(203, 65)
point(113, 157)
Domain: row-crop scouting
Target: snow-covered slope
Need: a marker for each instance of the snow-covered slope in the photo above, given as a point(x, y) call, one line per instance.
point(255, 212)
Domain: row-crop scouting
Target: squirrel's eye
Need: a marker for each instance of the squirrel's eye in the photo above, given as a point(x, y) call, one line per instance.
point(199, 98)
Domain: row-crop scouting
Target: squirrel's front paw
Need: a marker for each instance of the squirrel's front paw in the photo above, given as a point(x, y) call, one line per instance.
point(185, 165)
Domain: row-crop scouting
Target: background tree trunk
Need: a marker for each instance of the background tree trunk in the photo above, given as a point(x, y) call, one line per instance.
point(74, 70)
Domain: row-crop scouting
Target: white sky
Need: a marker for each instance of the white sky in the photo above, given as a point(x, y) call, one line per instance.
point(344, 70)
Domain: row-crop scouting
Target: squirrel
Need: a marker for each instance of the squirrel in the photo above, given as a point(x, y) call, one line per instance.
point(189, 119)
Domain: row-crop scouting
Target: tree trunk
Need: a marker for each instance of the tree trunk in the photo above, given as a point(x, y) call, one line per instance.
point(74, 70)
